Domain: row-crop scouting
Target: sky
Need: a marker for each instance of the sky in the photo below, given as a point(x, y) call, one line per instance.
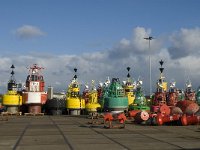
point(100, 38)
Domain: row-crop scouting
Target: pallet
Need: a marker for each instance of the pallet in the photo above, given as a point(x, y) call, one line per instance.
point(96, 119)
point(33, 114)
point(11, 114)
point(4, 118)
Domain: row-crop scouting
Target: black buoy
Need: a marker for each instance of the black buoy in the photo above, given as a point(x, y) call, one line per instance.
point(75, 76)
point(161, 62)
point(161, 68)
point(128, 75)
point(12, 73)
point(12, 66)
point(75, 70)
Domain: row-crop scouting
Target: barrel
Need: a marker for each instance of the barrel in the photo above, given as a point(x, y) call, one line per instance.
point(141, 116)
point(55, 106)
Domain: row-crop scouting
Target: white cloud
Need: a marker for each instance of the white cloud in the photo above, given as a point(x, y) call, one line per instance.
point(138, 38)
point(98, 65)
point(28, 32)
point(185, 42)
point(137, 45)
point(125, 43)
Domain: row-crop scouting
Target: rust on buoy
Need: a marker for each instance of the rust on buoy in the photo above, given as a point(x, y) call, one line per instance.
point(164, 109)
point(35, 109)
point(190, 120)
point(162, 118)
point(176, 110)
point(188, 107)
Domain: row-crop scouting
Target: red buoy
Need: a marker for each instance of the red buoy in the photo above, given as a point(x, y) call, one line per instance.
point(162, 118)
point(188, 107)
point(132, 113)
point(141, 116)
point(164, 109)
point(121, 117)
point(190, 120)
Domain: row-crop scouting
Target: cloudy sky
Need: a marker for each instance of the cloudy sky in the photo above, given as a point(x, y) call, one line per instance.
point(100, 38)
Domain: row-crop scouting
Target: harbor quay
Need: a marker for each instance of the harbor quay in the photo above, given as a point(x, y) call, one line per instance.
point(68, 132)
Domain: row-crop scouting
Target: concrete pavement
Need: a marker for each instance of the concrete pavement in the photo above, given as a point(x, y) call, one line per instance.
point(74, 133)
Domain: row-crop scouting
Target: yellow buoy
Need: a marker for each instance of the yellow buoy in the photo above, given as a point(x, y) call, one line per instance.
point(129, 88)
point(12, 100)
point(74, 102)
point(92, 104)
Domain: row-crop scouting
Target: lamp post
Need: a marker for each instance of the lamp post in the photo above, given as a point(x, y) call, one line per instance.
point(149, 39)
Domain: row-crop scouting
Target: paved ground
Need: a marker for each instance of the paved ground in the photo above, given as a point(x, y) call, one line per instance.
point(74, 133)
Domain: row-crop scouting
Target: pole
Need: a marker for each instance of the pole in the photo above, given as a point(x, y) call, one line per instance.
point(150, 89)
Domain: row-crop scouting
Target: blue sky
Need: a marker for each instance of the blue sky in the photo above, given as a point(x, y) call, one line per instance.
point(99, 33)
point(72, 26)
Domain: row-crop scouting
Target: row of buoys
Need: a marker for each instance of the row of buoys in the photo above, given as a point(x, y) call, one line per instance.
point(31, 98)
point(113, 99)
